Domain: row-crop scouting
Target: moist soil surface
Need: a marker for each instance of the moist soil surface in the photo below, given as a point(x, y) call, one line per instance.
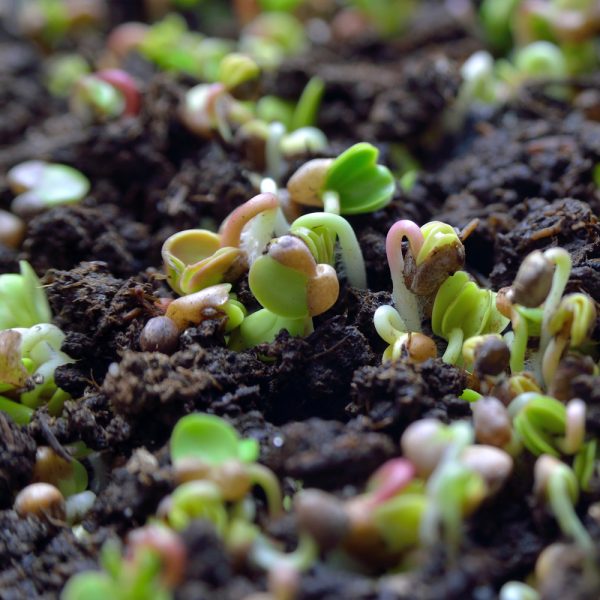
point(324, 409)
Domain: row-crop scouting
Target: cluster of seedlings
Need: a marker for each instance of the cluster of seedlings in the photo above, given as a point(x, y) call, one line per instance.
point(283, 258)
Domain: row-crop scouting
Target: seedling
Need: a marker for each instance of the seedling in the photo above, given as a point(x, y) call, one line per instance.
point(23, 302)
point(462, 309)
point(288, 281)
point(63, 72)
point(319, 232)
point(414, 347)
point(570, 326)
point(516, 590)
point(208, 109)
point(197, 258)
point(263, 326)
point(237, 70)
point(271, 37)
point(556, 484)
point(486, 355)
point(353, 183)
point(69, 477)
point(200, 441)
point(153, 563)
point(30, 357)
point(104, 96)
point(40, 186)
point(435, 253)
point(546, 426)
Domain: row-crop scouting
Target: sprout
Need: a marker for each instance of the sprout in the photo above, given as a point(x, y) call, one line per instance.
point(70, 477)
point(126, 85)
point(153, 563)
point(556, 483)
point(207, 303)
point(63, 72)
point(307, 108)
point(488, 354)
point(570, 326)
point(124, 38)
point(94, 99)
point(263, 326)
point(166, 544)
point(197, 500)
point(353, 183)
point(272, 36)
point(584, 464)
point(210, 439)
point(29, 359)
point(516, 590)
point(41, 500)
point(319, 232)
point(323, 516)
point(287, 280)
point(453, 490)
point(435, 253)
point(461, 310)
point(546, 426)
point(414, 347)
point(23, 302)
point(197, 258)
point(41, 185)
point(492, 422)
point(237, 70)
point(201, 441)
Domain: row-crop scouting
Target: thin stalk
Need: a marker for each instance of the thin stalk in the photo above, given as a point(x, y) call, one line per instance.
point(454, 348)
point(562, 507)
point(405, 301)
point(274, 158)
point(331, 202)
point(552, 356)
point(265, 478)
point(562, 260)
point(519, 343)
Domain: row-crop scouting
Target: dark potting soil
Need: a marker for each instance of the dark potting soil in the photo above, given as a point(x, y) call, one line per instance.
point(325, 411)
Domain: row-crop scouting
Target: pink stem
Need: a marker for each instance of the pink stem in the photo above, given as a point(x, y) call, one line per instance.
point(391, 478)
point(231, 230)
point(393, 244)
point(125, 83)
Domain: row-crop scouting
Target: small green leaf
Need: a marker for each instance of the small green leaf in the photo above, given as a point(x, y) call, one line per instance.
point(204, 437)
point(19, 413)
point(307, 109)
point(279, 289)
point(262, 327)
point(90, 586)
point(398, 521)
point(362, 185)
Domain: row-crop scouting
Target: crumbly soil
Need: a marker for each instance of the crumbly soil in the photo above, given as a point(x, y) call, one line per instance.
point(326, 412)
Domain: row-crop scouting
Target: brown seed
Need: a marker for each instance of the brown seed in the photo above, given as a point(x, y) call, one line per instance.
point(160, 334)
point(423, 445)
point(492, 422)
point(492, 357)
point(533, 281)
point(420, 347)
point(306, 184)
point(233, 480)
point(323, 290)
point(292, 252)
point(12, 229)
point(323, 516)
point(41, 500)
